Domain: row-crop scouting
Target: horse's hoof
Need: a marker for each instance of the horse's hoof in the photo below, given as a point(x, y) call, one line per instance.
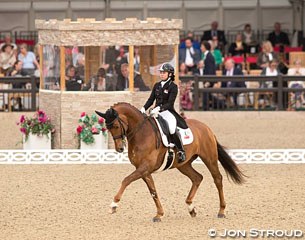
point(221, 215)
point(113, 210)
point(156, 219)
point(193, 213)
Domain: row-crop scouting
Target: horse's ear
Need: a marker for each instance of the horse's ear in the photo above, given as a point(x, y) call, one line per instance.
point(103, 115)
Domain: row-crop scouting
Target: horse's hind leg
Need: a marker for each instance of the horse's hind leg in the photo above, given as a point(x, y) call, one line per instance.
point(212, 165)
point(196, 179)
point(152, 189)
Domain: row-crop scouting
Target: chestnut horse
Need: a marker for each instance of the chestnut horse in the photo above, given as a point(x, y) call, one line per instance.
point(125, 121)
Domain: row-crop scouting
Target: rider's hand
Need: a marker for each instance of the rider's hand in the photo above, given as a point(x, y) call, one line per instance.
point(155, 111)
point(142, 110)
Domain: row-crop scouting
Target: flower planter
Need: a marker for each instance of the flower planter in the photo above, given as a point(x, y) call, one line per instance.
point(37, 142)
point(100, 142)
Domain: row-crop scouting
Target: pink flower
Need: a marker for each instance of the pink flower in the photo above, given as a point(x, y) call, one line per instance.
point(94, 130)
point(23, 130)
point(22, 118)
point(104, 129)
point(101, 120)
point(83, 114)
point(42, 119)
point(79, 129)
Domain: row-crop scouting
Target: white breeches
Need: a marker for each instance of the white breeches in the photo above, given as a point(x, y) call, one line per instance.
point(170, 119)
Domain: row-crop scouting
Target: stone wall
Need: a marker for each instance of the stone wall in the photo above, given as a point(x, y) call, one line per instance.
point(110, 32)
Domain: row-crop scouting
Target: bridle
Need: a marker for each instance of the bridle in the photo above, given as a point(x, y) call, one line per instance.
point(124, 133)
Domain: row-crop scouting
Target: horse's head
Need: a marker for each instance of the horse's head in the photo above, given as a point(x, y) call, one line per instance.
point(116, 126)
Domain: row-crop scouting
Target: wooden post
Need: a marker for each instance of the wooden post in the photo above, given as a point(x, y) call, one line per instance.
point(154, 63)
point(131, 68)
point(41, 84)
point(176, 49)
point(62, 69)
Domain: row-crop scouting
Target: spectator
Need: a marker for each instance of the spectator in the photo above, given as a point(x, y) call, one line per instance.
point(123, 80)
point(183, 70)
point(249, 39)
point(296, 98)
point(29, 61)
point(266, 55)
point(189, 55)
point(196, 44)
point(73, 81)
point(216, 53)
point(269, 98)
point(200, 68)
point(80, 65)
point(7, 58)
point(15, 71)
point(8, 41)
point(238, 48)
point(208, 35)
point(278, 37)
point(232, 70)
point(100, 82)
point(209, 69)
point(186, 95)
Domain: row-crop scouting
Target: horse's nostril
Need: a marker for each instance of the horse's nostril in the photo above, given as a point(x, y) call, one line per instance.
point(121, 149)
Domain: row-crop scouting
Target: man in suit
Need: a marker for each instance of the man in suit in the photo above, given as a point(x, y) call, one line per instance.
point(277, 37)
point(209, 69)
point(123, 80)
point(232, 70)
point(189, 55)
point(208, 35)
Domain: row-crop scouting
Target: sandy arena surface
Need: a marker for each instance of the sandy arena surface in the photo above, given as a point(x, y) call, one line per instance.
point(71, 202)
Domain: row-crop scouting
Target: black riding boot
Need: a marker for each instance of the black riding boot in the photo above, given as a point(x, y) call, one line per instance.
point(178, 143)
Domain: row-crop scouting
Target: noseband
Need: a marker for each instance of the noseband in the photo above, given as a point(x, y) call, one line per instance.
point(123, 131)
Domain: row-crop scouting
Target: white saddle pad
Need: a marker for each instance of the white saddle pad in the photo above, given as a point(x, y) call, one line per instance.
point(186, 136)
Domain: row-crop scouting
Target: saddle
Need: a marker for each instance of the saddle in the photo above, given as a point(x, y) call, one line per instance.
point(186, 134)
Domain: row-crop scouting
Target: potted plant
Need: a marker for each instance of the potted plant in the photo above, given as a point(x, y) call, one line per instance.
point(36, 131)
point(92, 132)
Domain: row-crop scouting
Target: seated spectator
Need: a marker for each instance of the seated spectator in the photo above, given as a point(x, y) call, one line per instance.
point(208, 35)
point(189, 55)
point(186, 95)
point(123, 80)
point(29, 61)
point(73, 81)
point(80, 65)
point(99, 82)
point(196, 44)
point(232, 70)
point(296, 98)
point(278, 37)
point(266, 55)
point(183, 70)
point(7, 58)
point(200, 69)
point(8, 41)
point(249, 39)
point(218, 99)
point(269, 98)
point(237, 48)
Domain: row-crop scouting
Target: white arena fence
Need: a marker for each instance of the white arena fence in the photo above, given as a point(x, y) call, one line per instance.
point(75, 156)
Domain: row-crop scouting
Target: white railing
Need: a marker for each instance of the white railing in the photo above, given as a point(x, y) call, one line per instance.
point(75, 156)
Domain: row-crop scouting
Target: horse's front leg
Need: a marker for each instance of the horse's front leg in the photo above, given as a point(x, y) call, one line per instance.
point(152, 189)
point(135, 175)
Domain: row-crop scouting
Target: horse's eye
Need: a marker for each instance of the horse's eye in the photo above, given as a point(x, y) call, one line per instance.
point(115, 126)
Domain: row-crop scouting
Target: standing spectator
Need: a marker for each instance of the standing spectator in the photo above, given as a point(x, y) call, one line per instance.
point(249, 39)
point(208, 35)
point(232, 70)
point(216, 53)
point(7, 58)
point(28, 59)
point(189, 55)
point(266, 55)
point(123, 80)
point(209, 69)
point(238, 48)
point(278, 37)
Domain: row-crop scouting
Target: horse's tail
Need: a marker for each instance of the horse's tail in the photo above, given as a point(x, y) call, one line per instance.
point(229, 165)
